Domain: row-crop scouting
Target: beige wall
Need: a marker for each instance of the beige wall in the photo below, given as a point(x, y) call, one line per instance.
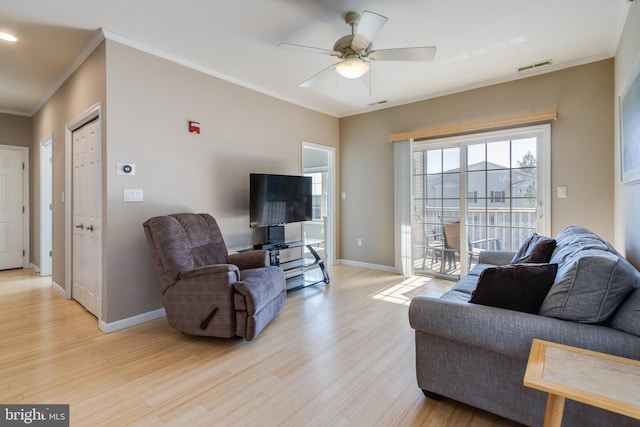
point(15, 130)
point(150, 101)
point(83, 89)
point(242, 131)
point(582, 154)
point(627, 206)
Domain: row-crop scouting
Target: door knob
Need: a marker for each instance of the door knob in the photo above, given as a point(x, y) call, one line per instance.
point(90, 228)
point(81, 226)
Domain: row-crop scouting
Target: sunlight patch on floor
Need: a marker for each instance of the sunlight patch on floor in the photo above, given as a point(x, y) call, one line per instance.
point(412, 286)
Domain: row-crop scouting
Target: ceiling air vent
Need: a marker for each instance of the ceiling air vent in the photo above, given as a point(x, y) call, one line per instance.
point(536, 65)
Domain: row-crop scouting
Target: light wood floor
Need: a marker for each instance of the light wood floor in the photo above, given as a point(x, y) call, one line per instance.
point(340, 355)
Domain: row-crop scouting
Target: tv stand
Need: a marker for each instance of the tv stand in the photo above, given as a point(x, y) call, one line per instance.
point(295, 269)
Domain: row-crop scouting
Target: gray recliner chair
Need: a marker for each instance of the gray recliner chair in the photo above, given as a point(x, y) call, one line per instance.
point(205, 290)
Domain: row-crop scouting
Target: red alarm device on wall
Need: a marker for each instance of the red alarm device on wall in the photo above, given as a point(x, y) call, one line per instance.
point(194, 127)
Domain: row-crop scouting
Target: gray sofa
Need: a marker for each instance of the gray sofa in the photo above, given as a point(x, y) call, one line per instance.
point(477, 354)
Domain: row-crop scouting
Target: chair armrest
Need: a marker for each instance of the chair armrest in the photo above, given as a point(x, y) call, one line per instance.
point(250, 259)
point(510, 332)
point(208, 270)
point(262, 286)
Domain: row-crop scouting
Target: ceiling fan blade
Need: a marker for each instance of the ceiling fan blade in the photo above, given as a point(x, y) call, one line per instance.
point(308, 49)
point(423, 53)
point(316, 77)
point(369, 25)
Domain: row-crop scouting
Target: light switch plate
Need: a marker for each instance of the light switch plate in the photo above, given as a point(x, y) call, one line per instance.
point(132, 195)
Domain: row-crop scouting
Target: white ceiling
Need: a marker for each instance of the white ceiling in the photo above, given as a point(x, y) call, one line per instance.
point(479, 42)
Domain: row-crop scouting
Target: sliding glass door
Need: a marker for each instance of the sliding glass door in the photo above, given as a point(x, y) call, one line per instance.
point(477, 192)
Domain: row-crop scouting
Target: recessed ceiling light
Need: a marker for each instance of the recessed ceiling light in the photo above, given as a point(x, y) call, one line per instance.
point(8, 37)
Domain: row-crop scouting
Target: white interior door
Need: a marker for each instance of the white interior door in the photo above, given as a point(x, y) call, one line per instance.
point(11, 209)
point(87, 221)
point(46, 206)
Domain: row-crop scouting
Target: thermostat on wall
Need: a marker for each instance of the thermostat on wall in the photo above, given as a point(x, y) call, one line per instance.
point(126, 168)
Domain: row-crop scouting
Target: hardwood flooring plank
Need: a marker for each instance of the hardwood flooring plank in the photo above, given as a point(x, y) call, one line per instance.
point(340, 354)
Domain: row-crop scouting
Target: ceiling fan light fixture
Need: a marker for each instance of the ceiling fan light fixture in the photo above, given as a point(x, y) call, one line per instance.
point(352, 68)
point(7, 37)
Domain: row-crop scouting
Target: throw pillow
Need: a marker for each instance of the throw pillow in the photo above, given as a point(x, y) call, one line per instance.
point(590, 285)
point(535, 249)
point(519, 287)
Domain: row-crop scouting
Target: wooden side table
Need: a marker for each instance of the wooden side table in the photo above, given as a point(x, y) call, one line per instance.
point(597, 379)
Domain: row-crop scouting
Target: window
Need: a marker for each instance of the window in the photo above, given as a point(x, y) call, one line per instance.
point(492, 184)
point(319, 203)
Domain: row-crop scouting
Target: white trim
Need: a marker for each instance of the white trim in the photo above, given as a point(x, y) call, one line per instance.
point(544, 178)
point(58, 288)
point(483, 83)
point(542, 133)
point(34, 267)
point(46, 198)
point(131, 321)
point(209, 71)
point(91, 113)
point(403, 205)
point(25, 201)
point(88, 50)
point(388, 268)
point(331, 209)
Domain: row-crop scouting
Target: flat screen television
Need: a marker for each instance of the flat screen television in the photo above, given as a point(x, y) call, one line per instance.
point(279, 199)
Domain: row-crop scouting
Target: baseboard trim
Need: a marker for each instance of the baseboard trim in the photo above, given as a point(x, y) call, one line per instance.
point(388, 268)
point(130, 321)
point(58, 288)
point(35, 268)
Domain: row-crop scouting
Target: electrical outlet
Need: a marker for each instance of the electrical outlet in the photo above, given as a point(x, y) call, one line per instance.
point(359, 242)
point(562, 192)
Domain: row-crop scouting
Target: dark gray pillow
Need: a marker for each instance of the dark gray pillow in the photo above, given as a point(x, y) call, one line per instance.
point(519, 287)
point(535, 249)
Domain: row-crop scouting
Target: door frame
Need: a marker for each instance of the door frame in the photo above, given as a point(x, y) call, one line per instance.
point(25, 201)
point(542, 131)
point(331, 211)
point(46, 199)
point(92, 113)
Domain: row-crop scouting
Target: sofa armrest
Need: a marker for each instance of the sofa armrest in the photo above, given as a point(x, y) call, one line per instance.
point(250, 259)
point(511, 332)
point(496, 257)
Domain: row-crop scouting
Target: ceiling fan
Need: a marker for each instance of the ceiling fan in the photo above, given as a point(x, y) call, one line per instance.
point(355, 50)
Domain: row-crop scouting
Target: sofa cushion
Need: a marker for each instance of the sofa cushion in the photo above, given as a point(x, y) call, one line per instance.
point(589, 286)
point(627, 318)
point(535, 249)
point(466, 285)
point(574, 239)
point(519, 287)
